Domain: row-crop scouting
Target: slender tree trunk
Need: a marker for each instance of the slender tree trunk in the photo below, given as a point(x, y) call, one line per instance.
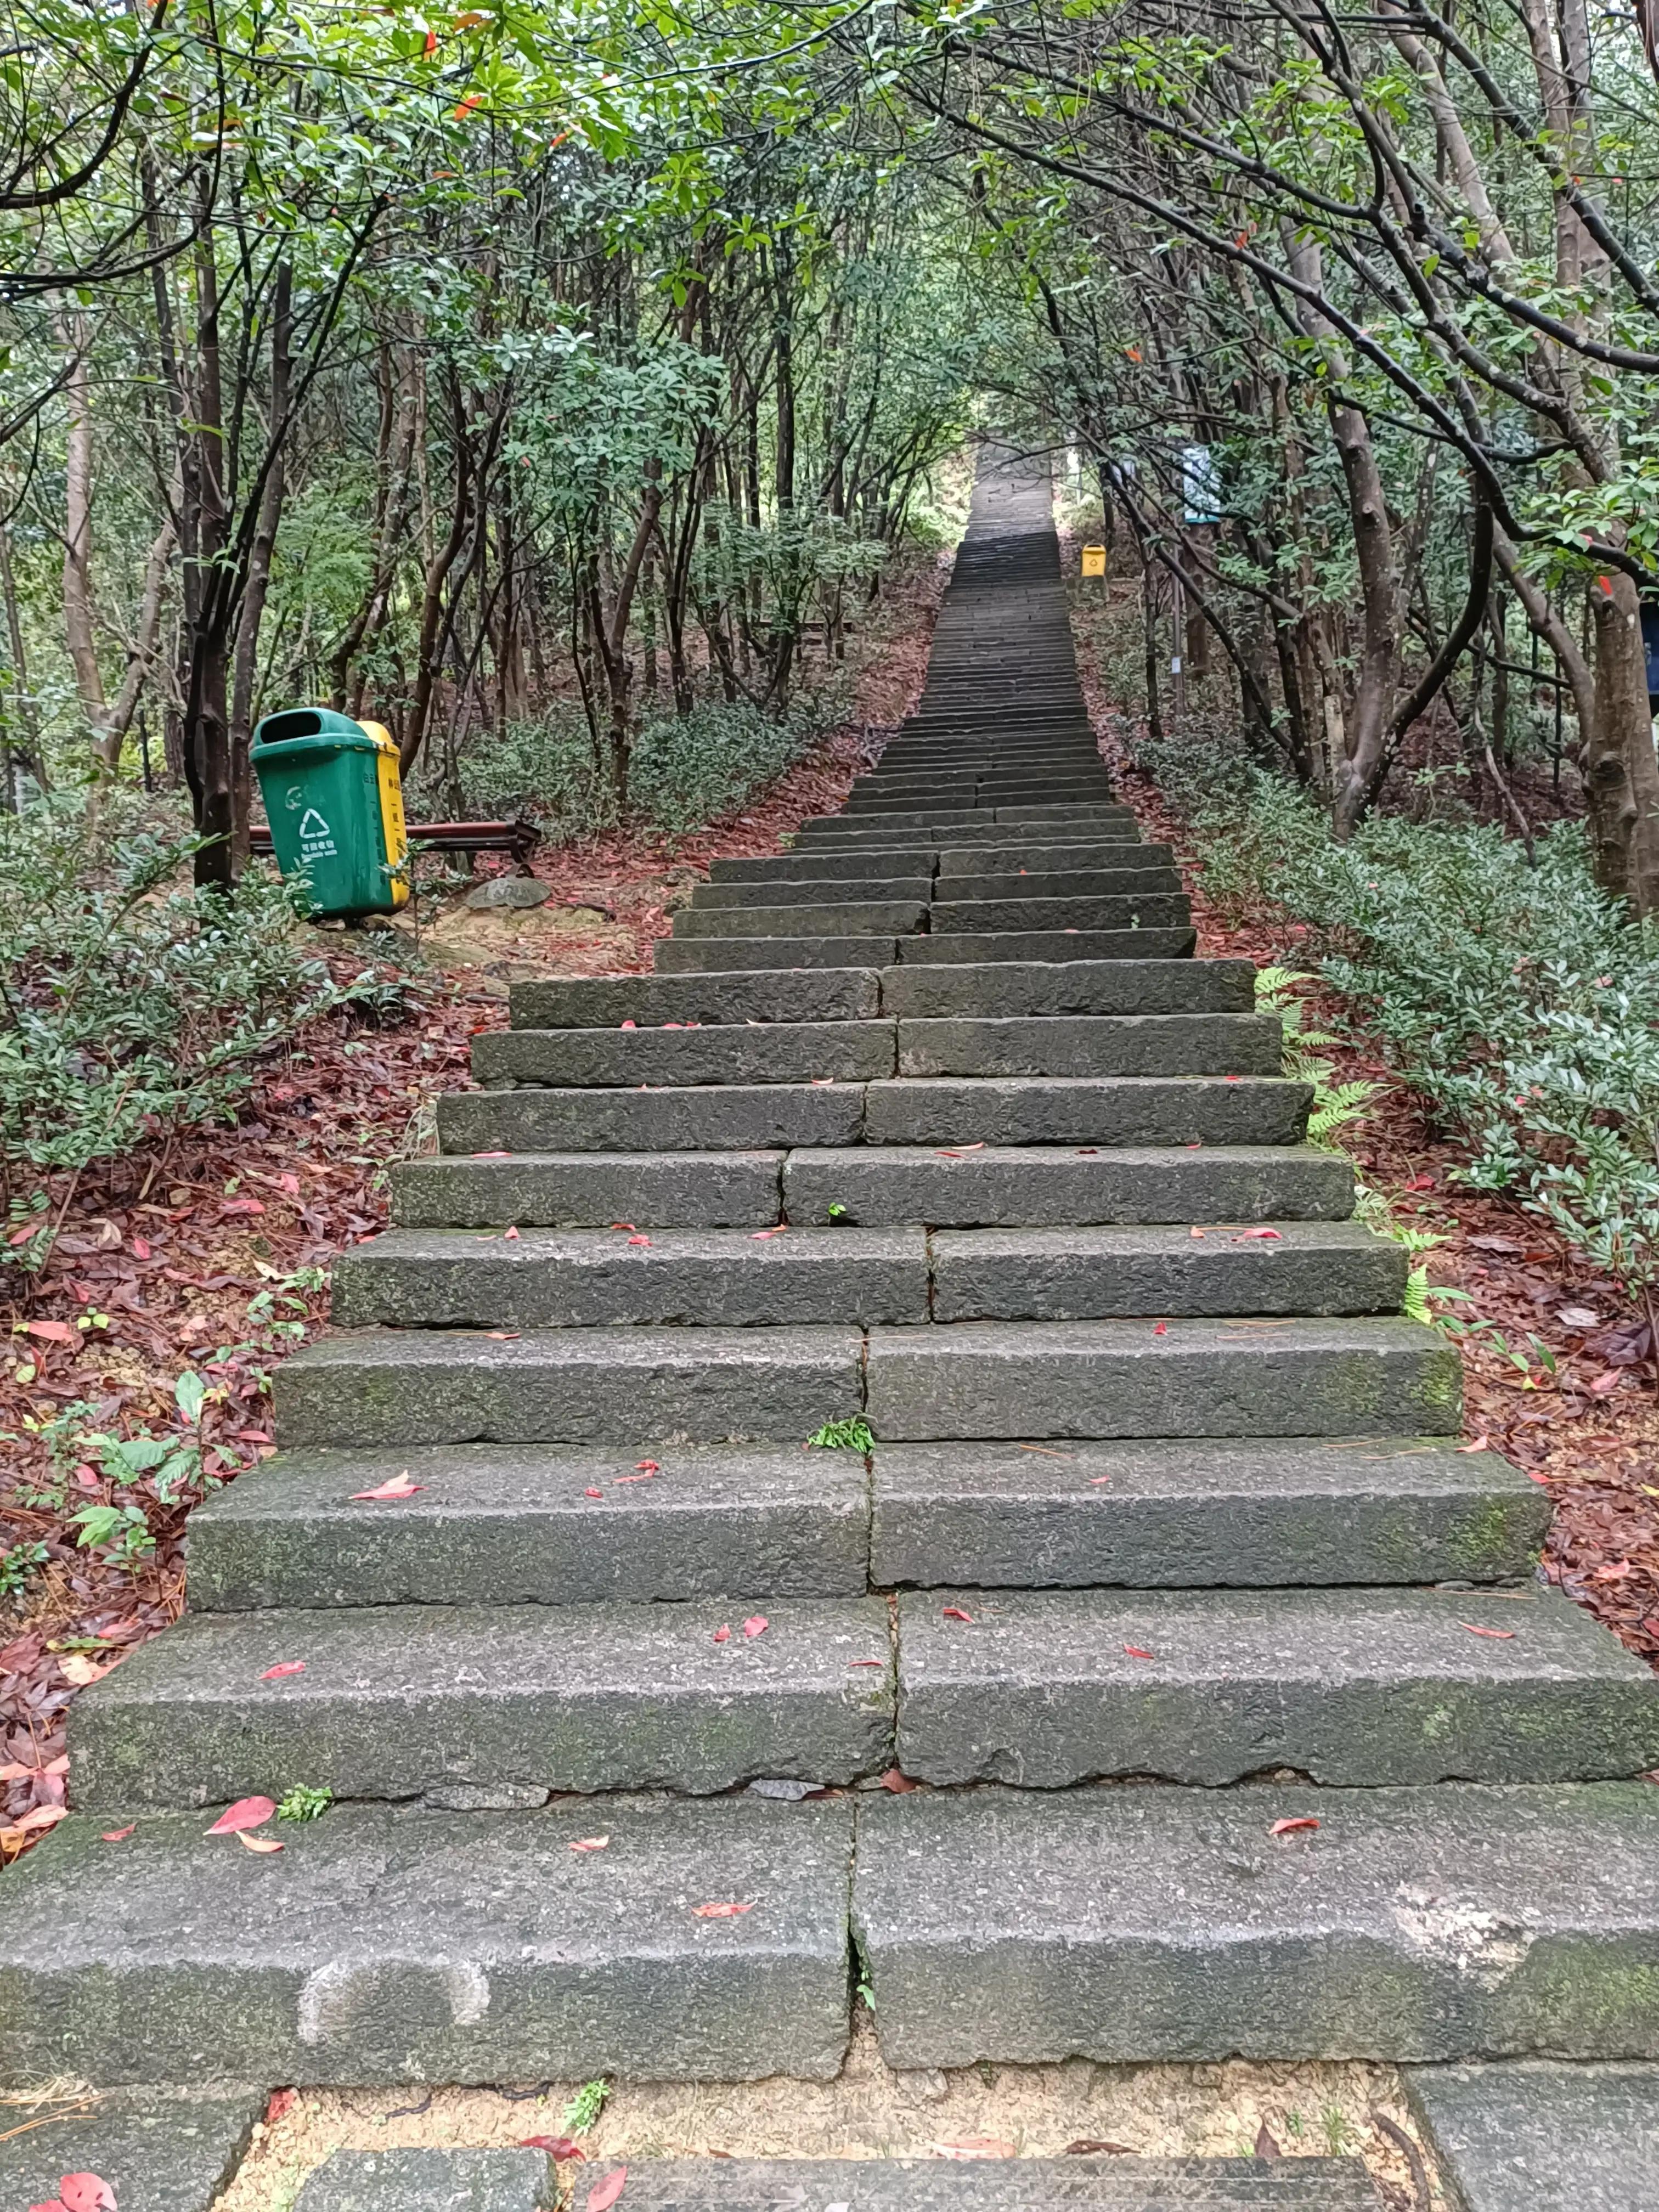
point(259, 574)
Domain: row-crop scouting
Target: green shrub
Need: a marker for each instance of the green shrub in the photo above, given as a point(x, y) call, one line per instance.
point(1520, 1001)
point(129, 1006)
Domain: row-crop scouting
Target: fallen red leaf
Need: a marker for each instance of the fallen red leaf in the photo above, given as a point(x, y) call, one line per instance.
point(1604, 1385)
point(592, 1493)
point(77, 1668)
point(723, 1911)
point(955, 1613)
point(1498, 1635)
point(492, 1155)
point(1162, 1329)
point(591, 1843)
point(1480, 1444)
point(756, 1625)
point(602, 2198)
point(117, 1835)
point(265, 1845)
point(281, 2103)
point(54, 1331)
point(723, 1633)
point(638, 1240)
point(141, 1248)
point(1264, 1234)
point(395, 1486)
point(1289, 1827)
point(511, 1234)
point(645, 1466)
point(1135, 1652)
point(627, 1025)
point(243, 1206)
point(246, 1812)
point(899, 1781)
point(557, 2147)
point(284, 1667)
point(86, 2192)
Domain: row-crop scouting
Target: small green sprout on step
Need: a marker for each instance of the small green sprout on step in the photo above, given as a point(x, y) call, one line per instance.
point(837, 1212)
point(844, 1436)
point(304, 1803)
point(584, 2109)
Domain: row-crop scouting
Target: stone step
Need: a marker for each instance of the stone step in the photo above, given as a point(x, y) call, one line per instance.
point(431, 2180)
point(590, 1190)
point(725, 1053)
point(1537, 2137)
point(681, 955)
point(599, 1278)
point(1179, 1378)
point(1052, 1186)
point(847, 917)
point(1131, 878)
point(708, 1117)
point(494, 1524)
point(1350, 1688)
point(809, 890)
point(1082, 1275)
point(1152, 910)
point(959, 825)
point(1139, 1044)
point(1159, 1925)
point(1079, 1109)
point(1037, 855)
point(575, 1002)
point(1049, 945)
point(1003, 990)
point(569, 1386)
point(885, 862)
point(156, 2150)
point(391, 1946)
point(1196, 1513)
point(998, 2184)
point(489, 1706)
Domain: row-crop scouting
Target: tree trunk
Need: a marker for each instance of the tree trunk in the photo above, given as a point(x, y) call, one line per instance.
point(79, 627)
point(259, 574)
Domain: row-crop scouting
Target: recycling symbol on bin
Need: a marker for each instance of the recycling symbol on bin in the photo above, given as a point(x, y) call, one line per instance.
point(312, 824)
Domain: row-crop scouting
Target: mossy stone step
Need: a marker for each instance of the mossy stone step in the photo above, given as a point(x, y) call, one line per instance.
point(1136, 941)
point(1132, 1044)
point(727, 1054)
point(949, 1111)
point(694, 1117)
point(1535, 2137)
point(590, 1190)
point(572, 1002)
point(1003, 990)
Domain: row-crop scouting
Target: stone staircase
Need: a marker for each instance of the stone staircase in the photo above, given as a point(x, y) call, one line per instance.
point(1248, 1730)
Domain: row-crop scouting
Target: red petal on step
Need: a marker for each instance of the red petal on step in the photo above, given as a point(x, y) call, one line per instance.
point(723, 1633)
point(721, 1911)
point(1088, 1151)
point(284, 1667)
point(638, 1240)
point(263, 1844)
point(395, 1486)
point(592, 1493)
point(246, 1812)
point(630, 1025)
point(1161, 1328)
point(602, 2198)
point(865, 1662)
point(502, 1335)
point(510, 1234)
point(646, 1467)
point(622, 1225)
point(116, 1835)
point(955, 1613)
point(1095, 1481)
point(492, 1155)
point(591, 1843)
point(1498, 1635)
point(756, 1625)
point(86, 2192)
point(1288, 1827)
point(557, 2147)
point(282, 2102)
point(899, 1781)
point(1135, 1652)
point(1264, 1234)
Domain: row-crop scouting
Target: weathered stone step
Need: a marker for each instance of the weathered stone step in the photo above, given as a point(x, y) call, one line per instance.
point(1080, 1274)
point(575, 1002)
point(955, 825)
point(705, 1117)
point(682, 956)
point(526, 1524)
point(809, 890)
point(589, 1277)
point(886, 861)
point(1180, 1378)
point(1051, 1185)
point(1138, 1044)
point(1152, 910)
point(950, 1111)
point(1037, 855)
point(157, 2150)
point(1000, 2185)
point(1057, 946)
point(1000, 990)
point(568, 1386)
point(1192, 1513)
point(1537, 2137)
point(1351, 1687)
point(725, 1052)
point(387, 1946)
point(501, 1701)
point(843, 917)
point(1131, 878)
point(1157, 1923)
point(431, 2181)
point(590, 1190)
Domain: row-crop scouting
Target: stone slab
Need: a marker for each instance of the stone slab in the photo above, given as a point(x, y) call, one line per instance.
point(1011, 1185)
point(1185, 1378)
point(708, 1117)
point(384, 1946)
point(805, 865)
point(401, 1701)
point(1139, 1044)
point(515, 1525)
point(1133, 877)
point(1153, 1923)
point(521, 891)
point(590, 1190)
point(1077, 1274)
point(847, 917)
point(725, 1052)
point(997, 2185)
point(939, 990)
point(1152, 910)
point(597, 1277)
point(568, 1386)
point(1531, 2136)
point(430, 2181)
point(1058, 853)
point(604, 1001)
point(159, 2150)
point(890, 888)
point(1050, 944)
point(1085, 1109)
point(1351, 1687)
point(679, 955)
point(1144, 1514)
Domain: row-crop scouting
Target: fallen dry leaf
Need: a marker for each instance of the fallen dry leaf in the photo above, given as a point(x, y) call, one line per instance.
point(723, 1633)
point(756, 1625)
point(591, 1843)
point(1161, 1328)
point(955, 1613)
point(246, 1812)
point(899, 1781)
point(1480, 1444)
point(511, 1234)
point(556, 2146)
point(724, 1911)
point(592, 1493)
point(75, 1666)
point(117, 1835)
point(1263, 1236)
point(284, 1667)
point(638, 1240)
point(1498, 1635)
point(395, 1486)
point(602, 2198)
point(1135, 1652)
point(54, 1331)
point(646, 1467)
point(1289, 1827)
point(1092, 2146)
point(86, 2192)
point(265, 1845)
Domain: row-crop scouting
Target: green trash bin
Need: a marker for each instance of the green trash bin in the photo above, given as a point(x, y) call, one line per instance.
point(336, 809)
